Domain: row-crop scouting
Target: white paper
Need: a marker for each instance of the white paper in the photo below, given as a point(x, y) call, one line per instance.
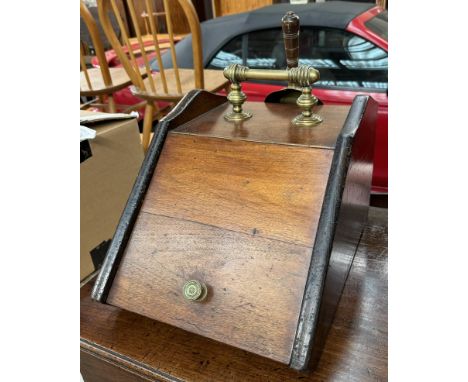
point(86, 133)
point(97, 117)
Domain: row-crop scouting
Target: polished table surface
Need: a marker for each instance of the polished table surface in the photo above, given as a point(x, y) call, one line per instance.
point(117, 345)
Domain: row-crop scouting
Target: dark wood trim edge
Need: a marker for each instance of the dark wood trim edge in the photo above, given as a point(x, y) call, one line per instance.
point(129, 215)
point(192, 105)
point(122, 362)
point(308, 318)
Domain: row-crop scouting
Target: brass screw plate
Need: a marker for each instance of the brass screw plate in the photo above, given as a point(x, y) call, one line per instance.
point(313, 120)
point(237, 116)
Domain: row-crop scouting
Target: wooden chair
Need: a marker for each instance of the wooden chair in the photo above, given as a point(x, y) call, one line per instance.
point(169, 84)
point(102, 81)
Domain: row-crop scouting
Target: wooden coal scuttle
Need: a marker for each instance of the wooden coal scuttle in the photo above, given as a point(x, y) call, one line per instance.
point(244, 219)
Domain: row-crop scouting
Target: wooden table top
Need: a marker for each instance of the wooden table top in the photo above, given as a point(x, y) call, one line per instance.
point(114, 341)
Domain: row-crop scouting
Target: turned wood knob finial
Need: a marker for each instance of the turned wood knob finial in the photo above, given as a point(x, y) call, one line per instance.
point(290, 25)
point(194, 290)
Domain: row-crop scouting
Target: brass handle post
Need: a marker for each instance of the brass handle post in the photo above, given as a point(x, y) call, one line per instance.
point(307, 101)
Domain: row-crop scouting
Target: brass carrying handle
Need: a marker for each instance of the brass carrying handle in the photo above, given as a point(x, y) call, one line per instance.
point(303, 76)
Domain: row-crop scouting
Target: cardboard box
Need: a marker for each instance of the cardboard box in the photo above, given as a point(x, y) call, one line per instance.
point(109, 166)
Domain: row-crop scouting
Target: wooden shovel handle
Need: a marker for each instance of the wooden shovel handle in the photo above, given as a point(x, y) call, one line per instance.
point(290, 25)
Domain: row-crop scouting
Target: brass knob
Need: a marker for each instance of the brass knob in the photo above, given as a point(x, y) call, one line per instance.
point(195, 290)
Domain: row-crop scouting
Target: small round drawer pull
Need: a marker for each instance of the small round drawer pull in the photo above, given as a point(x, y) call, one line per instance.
point(194, 290)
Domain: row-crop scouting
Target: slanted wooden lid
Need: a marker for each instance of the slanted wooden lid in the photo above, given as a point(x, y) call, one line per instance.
point(270, 123)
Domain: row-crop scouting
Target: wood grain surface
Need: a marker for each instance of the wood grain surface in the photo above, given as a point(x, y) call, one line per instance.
point(196, 102)
point(255, 285)
point(271, 123)
point(117, 345)
point(103, 370)
point(241, 186)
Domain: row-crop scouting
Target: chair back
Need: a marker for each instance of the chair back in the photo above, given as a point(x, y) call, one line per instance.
point(93, 30)
point(128, 54)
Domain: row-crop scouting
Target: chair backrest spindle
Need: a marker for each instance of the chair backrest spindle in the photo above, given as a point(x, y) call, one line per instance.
point(130, 65)
point(133, 15)
point(194, 24)
point(97, 45)
point(84, 69)
point(167, 8)
point(145, 16)
point(153, 21)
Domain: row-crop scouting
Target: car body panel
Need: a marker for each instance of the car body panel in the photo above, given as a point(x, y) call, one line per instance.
point(358, 27)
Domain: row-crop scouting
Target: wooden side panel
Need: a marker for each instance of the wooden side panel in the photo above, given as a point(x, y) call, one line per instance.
point(342, 222)
point(272, 191)
point(352, 218)
point(255, 285)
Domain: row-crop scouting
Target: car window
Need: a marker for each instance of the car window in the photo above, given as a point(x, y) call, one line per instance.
point(262, 49)
point(343, 59)
point(231, 53)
